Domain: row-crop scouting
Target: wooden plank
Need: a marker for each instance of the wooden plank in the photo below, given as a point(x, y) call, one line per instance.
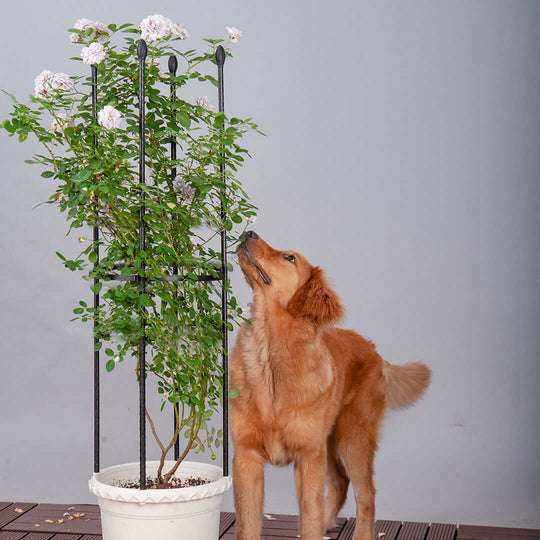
point(348, 530)
point(231, 535)
point(276, 528)
point(498, 537)
point(4, 505)
point(412, 531)
point(387, 530)
point(473, 532)
point(384, 530)
point(75, 527)
point(13, 512)
point(90, 537)
point(441, 531)
point(226, 520)
point(38, 513)
point(60, 519)
point(11, 535)
point(271, 534)
point(60, 509)
point(280, 517)
point(67, 537)
point(71, 507)
point(38, 536)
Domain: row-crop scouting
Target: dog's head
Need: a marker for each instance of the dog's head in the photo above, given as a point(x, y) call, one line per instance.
point(286, 280)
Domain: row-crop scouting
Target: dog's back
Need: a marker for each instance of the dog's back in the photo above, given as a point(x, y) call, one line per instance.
point(403, 384)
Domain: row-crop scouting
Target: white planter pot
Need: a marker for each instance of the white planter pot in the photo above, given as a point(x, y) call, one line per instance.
point(190, 513)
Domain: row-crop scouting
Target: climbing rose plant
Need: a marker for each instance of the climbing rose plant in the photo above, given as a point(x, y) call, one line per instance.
point(93, 165)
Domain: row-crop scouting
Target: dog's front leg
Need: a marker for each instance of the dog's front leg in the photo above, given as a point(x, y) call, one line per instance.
point(309, 475)
point(248, 474)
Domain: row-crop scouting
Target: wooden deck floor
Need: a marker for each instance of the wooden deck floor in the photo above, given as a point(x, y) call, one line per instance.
point(31, 521)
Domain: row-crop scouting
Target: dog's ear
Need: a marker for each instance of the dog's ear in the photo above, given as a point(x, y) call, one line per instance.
point(316, 300)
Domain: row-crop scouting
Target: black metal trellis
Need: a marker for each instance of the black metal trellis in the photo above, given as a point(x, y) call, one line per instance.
point(96, 297)
point(142, 280)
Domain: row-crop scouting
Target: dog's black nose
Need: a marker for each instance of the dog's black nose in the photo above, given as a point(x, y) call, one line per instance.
point(252, 234)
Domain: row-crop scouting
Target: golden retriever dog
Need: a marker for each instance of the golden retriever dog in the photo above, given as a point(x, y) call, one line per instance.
point(310, 393)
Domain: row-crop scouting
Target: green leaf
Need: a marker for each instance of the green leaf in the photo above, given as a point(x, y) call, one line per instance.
point(47, 174)
point(109, 366)
point(9, 127)
point(96, 288)
point(95, 163)
point(145, 300)
point(93, 257)
point(83, 174)
point(234, 393)
point(184, 119)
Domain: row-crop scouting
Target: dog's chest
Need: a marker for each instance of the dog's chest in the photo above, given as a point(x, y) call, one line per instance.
point(288, 407)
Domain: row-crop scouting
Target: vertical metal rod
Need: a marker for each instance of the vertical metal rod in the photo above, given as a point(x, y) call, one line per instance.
point(96, 298)
point(220, 60)
point(173, 66)
point(141, 55)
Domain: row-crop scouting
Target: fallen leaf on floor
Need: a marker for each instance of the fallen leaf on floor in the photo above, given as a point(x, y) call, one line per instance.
point(268, 516)
point(49, 521)
point(19, 510)
point(381, 534)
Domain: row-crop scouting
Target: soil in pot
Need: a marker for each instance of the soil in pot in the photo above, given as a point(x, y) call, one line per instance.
point(152, 483)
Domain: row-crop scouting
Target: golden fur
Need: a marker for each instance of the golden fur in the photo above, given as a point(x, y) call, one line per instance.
point(310, 393)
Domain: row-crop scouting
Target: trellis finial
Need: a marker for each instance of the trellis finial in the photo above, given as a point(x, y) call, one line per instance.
point(142, 49)
point(220, 56)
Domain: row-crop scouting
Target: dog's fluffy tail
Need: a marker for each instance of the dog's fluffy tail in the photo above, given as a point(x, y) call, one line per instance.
point(405, 384)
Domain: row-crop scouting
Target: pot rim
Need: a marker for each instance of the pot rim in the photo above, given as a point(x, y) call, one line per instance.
point(218, 484)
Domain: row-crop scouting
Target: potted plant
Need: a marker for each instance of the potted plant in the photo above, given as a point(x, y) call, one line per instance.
point(92, 154)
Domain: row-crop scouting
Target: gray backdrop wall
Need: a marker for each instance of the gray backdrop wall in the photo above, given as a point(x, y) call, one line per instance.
point(402, 155)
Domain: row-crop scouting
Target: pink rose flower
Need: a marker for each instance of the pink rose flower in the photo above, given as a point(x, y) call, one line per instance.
point(62, 81)
point(157, 27)
point(42, 83)
point(203, 102)
point(234, 34)
point(177, 30)
point(185, 190)
point(109, 117)
point(99, 31)
point(93, 54)
point(47, 82)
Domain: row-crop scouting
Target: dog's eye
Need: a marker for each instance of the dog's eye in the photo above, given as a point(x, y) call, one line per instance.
point(290, 258)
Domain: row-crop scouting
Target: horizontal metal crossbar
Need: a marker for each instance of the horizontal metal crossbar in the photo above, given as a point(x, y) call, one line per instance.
point(118, 277)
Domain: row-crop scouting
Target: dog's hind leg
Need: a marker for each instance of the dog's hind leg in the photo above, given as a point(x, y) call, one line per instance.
point(337, 484)
point(356, 435)
point(248, 472)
